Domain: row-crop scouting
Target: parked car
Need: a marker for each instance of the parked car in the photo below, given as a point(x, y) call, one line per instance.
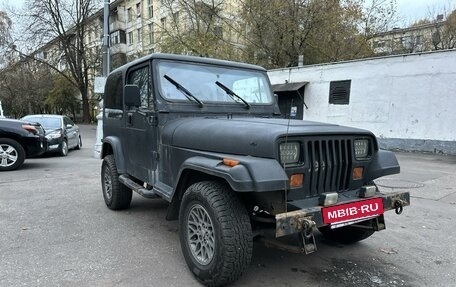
point(207, 136)
point(62, 133)
point(19, 140)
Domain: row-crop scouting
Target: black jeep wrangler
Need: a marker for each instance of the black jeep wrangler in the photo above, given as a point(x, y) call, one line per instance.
point(207, 136)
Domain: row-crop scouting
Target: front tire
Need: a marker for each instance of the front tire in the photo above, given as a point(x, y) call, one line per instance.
point(64, 148)
point(12, 154)
point(116, 195)
point(215, 233)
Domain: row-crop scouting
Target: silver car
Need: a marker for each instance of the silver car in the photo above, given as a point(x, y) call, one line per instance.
point(62, 133)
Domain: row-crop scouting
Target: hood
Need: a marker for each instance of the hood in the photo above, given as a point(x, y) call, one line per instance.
point(246, 136)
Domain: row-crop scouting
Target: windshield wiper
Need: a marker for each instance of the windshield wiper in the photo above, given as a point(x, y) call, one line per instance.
point(186, 92)
point(232, 94)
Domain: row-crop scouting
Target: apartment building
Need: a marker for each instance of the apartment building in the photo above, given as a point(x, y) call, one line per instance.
point(140, 27)
point(416, 38)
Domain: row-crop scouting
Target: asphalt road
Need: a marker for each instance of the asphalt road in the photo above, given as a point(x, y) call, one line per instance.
point(55, 230)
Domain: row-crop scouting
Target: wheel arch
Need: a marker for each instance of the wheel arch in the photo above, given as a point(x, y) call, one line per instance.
point(112, 145)
point(188, 177)
point(18, 140)
point(250, 175)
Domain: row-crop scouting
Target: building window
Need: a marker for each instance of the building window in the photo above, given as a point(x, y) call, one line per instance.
point(163, 22)
point(139, 34)
point(151, 11)
point(115, 38)
point(151, 33)
point(218, 31)
point(130, 37)
point(176, 18)
point(379, 44)
point(129, 14)
point(406, 42)
point(114, 17)
point(339, 92)
point(138, 9)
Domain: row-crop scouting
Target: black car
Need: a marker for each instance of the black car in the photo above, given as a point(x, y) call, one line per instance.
point(19, 140)
point(207, 136)
point(62, 133)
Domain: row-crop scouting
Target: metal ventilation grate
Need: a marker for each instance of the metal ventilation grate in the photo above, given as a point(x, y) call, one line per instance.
point(339, 92)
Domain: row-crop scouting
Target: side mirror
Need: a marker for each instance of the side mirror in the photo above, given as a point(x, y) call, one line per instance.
point(68, 126)
point(132, 96)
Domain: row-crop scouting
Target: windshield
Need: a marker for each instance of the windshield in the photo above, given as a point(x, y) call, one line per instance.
point(47, 123)
point(200, 80)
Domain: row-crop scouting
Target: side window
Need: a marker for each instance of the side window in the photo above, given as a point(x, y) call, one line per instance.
point(66, 121)
point(113, 96)
point(141, 78)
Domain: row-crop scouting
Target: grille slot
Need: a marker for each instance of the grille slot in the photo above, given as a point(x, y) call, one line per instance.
point(329, 165)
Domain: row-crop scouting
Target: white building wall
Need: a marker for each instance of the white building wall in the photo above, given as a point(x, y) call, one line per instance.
point(407, 100)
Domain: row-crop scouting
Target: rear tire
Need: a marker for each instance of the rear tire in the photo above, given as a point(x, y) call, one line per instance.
point(12, 154)
point(215, 233)
point(116, 195)
point(79, 145)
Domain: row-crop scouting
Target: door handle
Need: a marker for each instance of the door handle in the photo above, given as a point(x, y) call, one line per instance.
point(130, 118)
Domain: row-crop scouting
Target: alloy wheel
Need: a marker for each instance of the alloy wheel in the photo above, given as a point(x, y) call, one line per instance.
point(200, 233)
point(8, 155)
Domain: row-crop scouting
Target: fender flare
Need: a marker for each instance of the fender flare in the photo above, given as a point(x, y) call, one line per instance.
point(383, 163)
point(251, 174)
point(116, 146)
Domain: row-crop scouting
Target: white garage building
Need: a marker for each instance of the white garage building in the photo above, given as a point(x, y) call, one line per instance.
point(408, 101)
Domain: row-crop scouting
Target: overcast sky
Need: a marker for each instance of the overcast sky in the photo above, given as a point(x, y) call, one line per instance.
point(408, 10)
point(411, 10)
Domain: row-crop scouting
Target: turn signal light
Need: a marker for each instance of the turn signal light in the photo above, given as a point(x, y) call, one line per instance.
point(230, 162)
point(296, 180)
point(358, 173)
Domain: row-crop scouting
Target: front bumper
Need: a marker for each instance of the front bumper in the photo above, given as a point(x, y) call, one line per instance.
point(35, 145)
point(294, 221)
point(54, 144)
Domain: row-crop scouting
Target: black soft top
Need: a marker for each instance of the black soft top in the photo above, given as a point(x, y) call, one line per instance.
point(194, 59)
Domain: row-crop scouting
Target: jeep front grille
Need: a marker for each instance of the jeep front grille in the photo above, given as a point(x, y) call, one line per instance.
point(330, 163)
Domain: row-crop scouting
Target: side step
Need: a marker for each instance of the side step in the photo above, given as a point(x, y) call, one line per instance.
point(125, 180)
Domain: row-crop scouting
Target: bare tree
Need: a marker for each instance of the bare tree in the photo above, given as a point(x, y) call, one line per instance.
point(321, 31)
point(201, 28)
point(24, 86)
point(5, 28)
point(65, 30)
point(444, 33)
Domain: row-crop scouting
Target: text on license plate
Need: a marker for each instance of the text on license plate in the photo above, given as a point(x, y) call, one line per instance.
point(352, 211)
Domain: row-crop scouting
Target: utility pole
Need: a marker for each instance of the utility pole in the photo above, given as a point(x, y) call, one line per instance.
point(106, 68)
point(106, 58)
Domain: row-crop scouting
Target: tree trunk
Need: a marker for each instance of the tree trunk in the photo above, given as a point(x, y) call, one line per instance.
point(85, 107)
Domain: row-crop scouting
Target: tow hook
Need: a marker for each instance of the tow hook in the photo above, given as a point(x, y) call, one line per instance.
point(307, 239)
point(398, 206)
